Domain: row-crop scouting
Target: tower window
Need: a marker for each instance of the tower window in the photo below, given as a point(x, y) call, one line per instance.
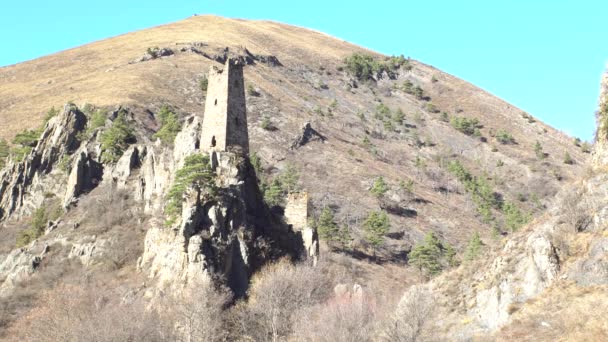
point(213, 141)
point(216, 102)
point(236, 121)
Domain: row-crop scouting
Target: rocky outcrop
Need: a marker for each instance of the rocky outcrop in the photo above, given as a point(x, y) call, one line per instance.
point(85, 174)
point(23, 184)
point(225, 237)
point(307, 135)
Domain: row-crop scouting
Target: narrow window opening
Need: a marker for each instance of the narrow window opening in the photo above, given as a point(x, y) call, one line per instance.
point(213, 141)
point(216, 102)
point(236, 121)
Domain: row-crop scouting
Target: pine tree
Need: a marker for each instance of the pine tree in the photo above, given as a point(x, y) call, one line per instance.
point(379, 188)
point(274, 193)
point(375, 227)
point(115, 141)
point(344, 237)
point(473, 248)
point(450, 256)
point(326, 226)
point(289, 178)
point(426, 255)
point(169, 125)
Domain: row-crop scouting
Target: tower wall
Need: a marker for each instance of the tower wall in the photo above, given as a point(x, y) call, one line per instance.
point(225, 119)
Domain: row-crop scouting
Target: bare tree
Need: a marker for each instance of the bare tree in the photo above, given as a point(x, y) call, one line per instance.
point(412, 317)
point(198, 313)
point(277, 293)
point(77, 313)
point(345, 319)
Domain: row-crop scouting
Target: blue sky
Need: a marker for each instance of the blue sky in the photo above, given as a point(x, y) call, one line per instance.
point(545, 57)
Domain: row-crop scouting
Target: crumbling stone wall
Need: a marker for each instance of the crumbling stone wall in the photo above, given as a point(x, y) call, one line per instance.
point(296, 210)
point(225, 119)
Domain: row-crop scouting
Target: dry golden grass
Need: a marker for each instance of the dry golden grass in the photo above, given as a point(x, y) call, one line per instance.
point(564, 312)
point(99, 72)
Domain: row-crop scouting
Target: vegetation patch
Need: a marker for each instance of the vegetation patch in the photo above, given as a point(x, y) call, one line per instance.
point(468, 126)
point(195, 174)
point(116, 140)
point(366, 68)
point(169, 125)
point(432, 256)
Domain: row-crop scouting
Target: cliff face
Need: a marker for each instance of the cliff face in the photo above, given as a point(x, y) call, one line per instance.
point(519, 289)
point(222, 238)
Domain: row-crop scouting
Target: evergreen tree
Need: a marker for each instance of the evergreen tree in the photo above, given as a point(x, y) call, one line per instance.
point(169, 125)
point(379, 188)
point(426, 255)
point(473, 248)
point(274, 193)
point(289, 178)
point(375, 227)
point(326, 226)
point(115, 140)
point(196, 173)
point(344, 237)
point(450, 255)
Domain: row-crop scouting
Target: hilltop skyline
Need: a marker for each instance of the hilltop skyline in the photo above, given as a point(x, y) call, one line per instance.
point(548, 50)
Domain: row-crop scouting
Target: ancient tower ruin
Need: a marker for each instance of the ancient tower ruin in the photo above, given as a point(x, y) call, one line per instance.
point(225, 120)
point(296, 215)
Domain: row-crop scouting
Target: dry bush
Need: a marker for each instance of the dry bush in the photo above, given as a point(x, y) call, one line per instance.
point(343, 318)
point(198, 313)
point(106, 208)
point(277, 293)
point(88, 313)
point(413, 318)
point(577, 209)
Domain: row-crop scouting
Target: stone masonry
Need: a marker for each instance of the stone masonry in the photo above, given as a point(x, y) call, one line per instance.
point(225, 119)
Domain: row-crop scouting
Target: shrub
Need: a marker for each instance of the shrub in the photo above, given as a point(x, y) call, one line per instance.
point(273, 195)
point(251, 90)
point(481, 192)
point(98, 119)
point(50, 114)
point(586, 147)
point(362, 67)
point(36, 229)
point(27, 138)
point(169, 125)
point(444, 117)
point(382, 111)
point(398, 116)
point(538, 150)
point(431, 108)
point(256, 162)
point(504, 137)
point(116, 140)
point(379, 188)
point(414, 317)
point(568, 159)
point(514, 217)
point(266, 124)
point(277, 294)
point(376, 226)
point(4, 152)
point(473, 248)
point(203, 84)
point(195, 174)
point(465, 125)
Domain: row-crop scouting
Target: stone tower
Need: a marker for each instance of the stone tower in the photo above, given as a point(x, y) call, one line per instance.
point(225, 120)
